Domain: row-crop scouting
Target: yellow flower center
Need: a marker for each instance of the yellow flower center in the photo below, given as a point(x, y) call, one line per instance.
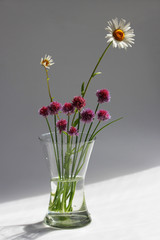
point(118, 34)
point(45, 62)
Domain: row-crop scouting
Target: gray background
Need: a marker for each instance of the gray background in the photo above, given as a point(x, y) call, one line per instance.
point(72, 31)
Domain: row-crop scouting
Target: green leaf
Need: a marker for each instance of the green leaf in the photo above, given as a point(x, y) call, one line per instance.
point(97, 73)
point(76, 122)
point(68, 159)
point(82, 89)
point(105, 126)
point(66, 133)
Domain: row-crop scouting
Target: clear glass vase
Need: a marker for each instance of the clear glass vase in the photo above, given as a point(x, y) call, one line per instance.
point(67, 158)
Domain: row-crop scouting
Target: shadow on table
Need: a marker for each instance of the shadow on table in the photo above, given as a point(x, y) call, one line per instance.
point(28, 231)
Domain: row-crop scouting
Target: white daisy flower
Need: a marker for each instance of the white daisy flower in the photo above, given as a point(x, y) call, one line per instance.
point(47, 61)
point(120, 33)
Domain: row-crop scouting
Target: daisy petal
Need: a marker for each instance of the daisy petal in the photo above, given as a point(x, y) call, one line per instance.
point(115, 22)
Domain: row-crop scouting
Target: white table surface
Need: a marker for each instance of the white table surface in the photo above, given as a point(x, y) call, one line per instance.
point(125, 208)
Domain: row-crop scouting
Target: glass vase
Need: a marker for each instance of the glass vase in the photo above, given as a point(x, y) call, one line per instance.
point(67, 159)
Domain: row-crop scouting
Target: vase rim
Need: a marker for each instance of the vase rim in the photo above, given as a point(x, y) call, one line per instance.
point(44, 136)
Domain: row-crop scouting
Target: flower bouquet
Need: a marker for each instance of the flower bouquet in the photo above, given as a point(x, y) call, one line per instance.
point(68, 146)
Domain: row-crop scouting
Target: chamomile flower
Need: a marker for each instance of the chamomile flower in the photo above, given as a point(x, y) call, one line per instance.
point(47, 61)
point(120, 33)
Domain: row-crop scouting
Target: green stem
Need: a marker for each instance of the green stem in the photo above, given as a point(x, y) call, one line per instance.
point(80, 142)
point(96, 108)
point(55, 128)
point(92, 75)
point(91, 123)
point(71, 141)
point(75, 151)
point(79, 116)
point(53, 146)
point(96, 68)
point(76, 111)
point(49, 92)
point(81, 135)
point(68, 137)
point(62, 154)
point(95, 130)
point(64, 197)
point(84, 152)
point(93, 135)
point(73, 188)
point(68, 123)
point(67, 158)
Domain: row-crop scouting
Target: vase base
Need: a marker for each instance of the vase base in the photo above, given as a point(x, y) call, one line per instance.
point(67, 220)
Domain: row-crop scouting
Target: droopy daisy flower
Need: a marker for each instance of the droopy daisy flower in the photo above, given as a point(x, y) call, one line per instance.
point(103, 115)
point(61, 125)
point(120, 33)
point(47, 61)
point(87, 115)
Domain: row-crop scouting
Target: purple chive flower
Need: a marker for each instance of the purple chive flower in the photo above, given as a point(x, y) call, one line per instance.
point(68, 108)
point(103, 95)
point(103, 115)
point(87, 115)
point(54, 108)
point(73, 131)
point(43, 111)
point(61, 125)
point(79, 102)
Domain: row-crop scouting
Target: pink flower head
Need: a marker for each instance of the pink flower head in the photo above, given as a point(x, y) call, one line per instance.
point(68, 108)
point(61, 125)
point(87, 115)
point(54, 108)
point(79, 102)
point(103, 115)
point(103, 95)
point(73, 131)
point(43, 111)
